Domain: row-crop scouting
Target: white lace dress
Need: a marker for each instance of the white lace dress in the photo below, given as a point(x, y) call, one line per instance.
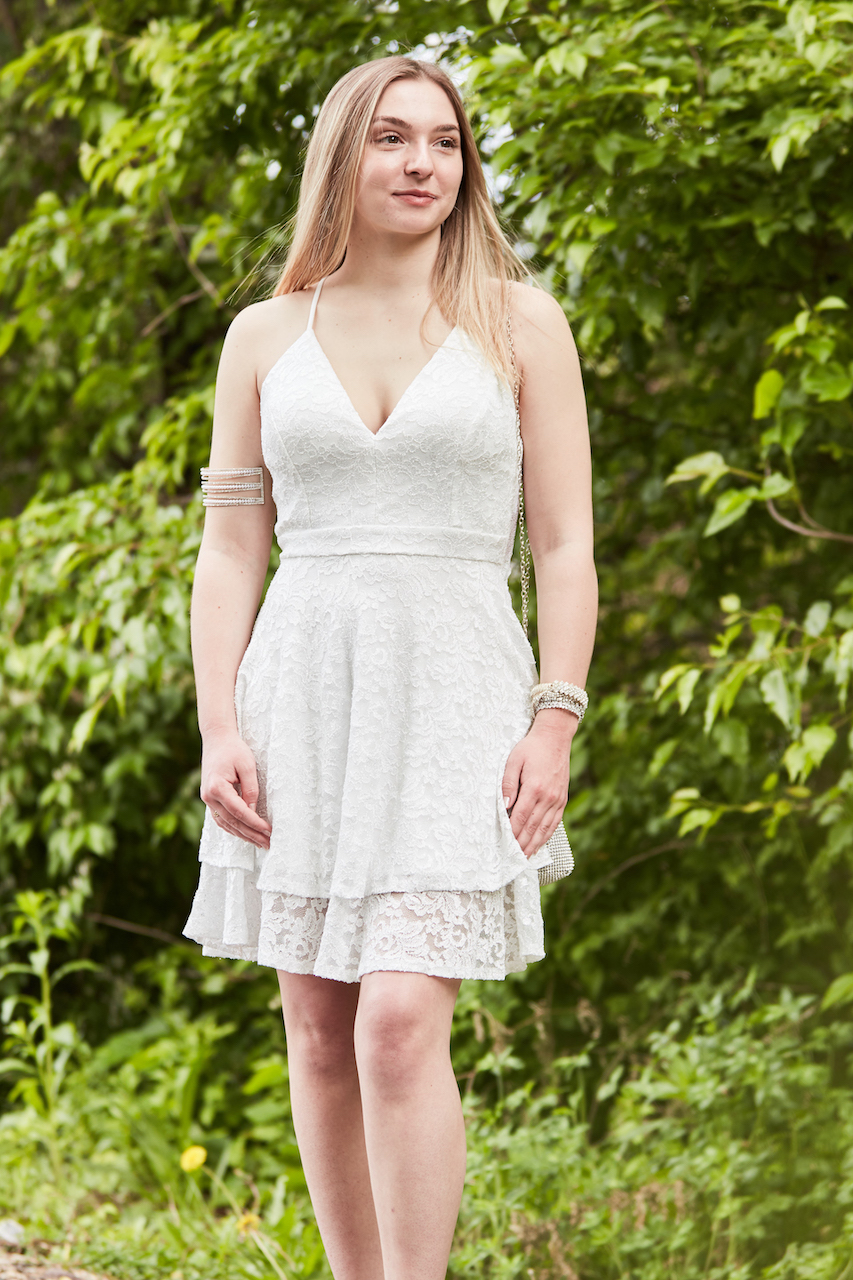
point(386, 681)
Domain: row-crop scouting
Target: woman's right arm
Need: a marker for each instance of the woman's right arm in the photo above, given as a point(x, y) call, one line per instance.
point(229, 579)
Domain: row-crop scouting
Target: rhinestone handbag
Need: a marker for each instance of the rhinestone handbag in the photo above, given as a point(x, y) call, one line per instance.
point(562, 862)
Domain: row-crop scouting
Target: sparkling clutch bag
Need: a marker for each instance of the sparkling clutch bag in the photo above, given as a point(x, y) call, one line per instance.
point(562, 863)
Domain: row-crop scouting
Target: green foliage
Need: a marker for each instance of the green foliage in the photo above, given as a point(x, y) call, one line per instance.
point(680, 178)
point(723, 1154)
point(97, 670)
point(40, 1049)
point(726, 1150)
point(666, 171)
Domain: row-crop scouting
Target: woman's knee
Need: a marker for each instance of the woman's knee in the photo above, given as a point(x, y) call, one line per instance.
point(318, 1023)
point(396, 1040)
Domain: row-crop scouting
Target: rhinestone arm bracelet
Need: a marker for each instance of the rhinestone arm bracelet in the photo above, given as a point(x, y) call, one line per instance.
point(232, 487)
point(559, 693)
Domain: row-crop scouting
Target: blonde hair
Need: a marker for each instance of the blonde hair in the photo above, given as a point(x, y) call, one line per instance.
point(475, 263)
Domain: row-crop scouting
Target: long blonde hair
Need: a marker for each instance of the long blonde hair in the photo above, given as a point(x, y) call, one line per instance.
point(475, 262)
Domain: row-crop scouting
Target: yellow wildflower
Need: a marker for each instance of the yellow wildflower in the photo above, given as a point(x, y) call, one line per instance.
point(248, 1222)
point(193, 1158)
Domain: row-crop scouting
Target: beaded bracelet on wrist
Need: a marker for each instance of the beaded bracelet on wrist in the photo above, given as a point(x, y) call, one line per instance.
point(560, 694)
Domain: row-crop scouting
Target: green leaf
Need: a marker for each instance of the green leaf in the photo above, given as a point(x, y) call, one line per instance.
point(775, 486)
point(575, 63)
point(657, 87)
point(708, 465)
point(838, 992)
point(82, 731)
point(610, 1085)
point(827, 381)
point(844, 665)
point(7, 334)
point(579, 253)
point(606, 150)
point(15, 967)
point(814, 623)
point(681, 800)
point(831, 304)
point(695, 818)
point(732, 739)
point(39, 959)
point(661, 757)
point(779, 151)
point(777, 695)
point(767, 391)
point(9, 1065)
point(730, 507)
point(497, 9)
point(73, 966)
point(567, 57)
point(685, 687)
point(91, 47)
point(504, 56)
point(808, 753)
point(669, 677)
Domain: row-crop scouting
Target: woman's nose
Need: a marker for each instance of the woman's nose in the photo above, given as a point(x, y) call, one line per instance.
point(418, 159)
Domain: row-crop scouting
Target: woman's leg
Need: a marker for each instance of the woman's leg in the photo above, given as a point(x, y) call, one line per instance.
point(412, 1118)
point(318, 1017)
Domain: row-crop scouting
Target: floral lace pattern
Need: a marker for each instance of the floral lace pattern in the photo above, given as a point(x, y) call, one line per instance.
point(385, 683)
point(472, 934)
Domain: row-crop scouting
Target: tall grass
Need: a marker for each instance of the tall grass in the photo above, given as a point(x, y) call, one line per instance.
point(720, 1146)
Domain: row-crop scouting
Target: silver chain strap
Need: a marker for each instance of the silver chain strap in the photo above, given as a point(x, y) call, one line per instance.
point(523, 542)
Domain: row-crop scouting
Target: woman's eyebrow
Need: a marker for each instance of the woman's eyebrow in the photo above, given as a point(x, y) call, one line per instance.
point(404, 124)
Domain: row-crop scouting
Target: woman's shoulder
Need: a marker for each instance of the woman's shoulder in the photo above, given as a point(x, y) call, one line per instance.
point(535, 306)
point(282, 313)
point(543, 339)
point(259, 335)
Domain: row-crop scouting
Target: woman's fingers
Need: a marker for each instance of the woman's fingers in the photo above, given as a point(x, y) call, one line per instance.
point(534, 819)
point(512, 775)
point(232, 813)
point(537, 780)
point(230, 788)
point(247, 777)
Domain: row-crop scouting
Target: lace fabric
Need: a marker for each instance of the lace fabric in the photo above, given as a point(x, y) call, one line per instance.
point(386, 682)
point(449, 934)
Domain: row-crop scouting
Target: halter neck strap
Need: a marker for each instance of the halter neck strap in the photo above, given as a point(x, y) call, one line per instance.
point(314, 301)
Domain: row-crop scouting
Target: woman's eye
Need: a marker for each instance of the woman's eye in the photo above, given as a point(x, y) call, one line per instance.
point(449, 144)
point(390, 137)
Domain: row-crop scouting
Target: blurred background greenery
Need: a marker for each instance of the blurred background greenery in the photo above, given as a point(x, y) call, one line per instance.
point(669, 1093)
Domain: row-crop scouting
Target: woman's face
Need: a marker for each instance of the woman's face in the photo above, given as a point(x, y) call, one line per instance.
point(412, 166)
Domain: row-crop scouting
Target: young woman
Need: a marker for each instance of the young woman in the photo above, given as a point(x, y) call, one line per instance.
point(379, 785)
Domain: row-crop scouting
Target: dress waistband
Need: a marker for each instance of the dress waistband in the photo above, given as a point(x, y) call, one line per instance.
point(408, 540)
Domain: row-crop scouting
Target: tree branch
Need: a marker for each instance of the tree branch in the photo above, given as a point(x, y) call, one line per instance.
point(8, 24)
point(183, 301)
point(129, 927)
point(806, 518)
point(617, 871)
point(178, 236)
point(817, 531)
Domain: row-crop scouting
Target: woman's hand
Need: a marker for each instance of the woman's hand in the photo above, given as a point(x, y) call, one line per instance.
point(229, 787)
point(536, 779)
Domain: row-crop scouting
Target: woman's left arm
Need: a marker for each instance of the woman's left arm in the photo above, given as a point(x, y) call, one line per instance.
point(558, 503)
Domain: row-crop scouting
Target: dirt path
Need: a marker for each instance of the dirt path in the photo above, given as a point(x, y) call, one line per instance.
point(16, 1266)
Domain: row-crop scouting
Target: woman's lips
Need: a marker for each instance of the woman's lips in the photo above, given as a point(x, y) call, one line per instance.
point(416, 199)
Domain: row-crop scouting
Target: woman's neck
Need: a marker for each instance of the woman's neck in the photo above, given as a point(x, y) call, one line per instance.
point(383, 263)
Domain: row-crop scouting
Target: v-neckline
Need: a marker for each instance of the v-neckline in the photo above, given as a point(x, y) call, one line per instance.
point(348, 398)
